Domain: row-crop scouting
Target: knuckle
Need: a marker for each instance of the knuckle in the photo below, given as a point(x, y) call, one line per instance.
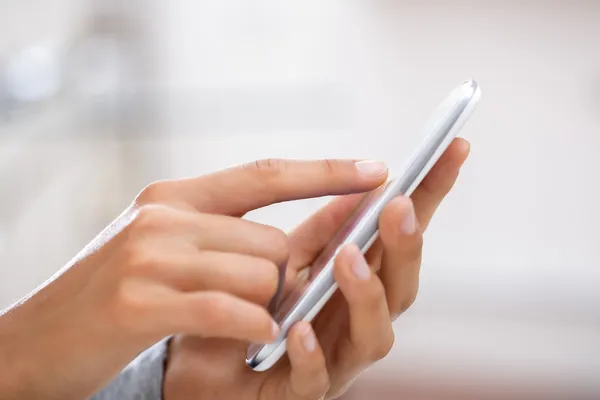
point(439, 183)
point(268, 167)
point(129, 307)
point(330, 166)
point(415, 250)
point(269, 273)
point(418, 243)
point(152, 192)
point(377, 294)
point(150, 218)
point(279, 245)
point(408, 300)
point(402, 252)
point(364, 356)
point(320, 382)
point(213, 314)
point(383, 347)
point(138, 260)
point(447, 183)
point(323, 383)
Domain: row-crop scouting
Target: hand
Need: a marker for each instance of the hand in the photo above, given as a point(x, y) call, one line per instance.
point(354, 329)
point(179, 260)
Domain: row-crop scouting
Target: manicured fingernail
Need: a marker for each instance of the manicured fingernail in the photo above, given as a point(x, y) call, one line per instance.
point(308, 339)
point(371, 168)
point(409, 222)
point(360, 268)
point(275, 330)
point(465, 147)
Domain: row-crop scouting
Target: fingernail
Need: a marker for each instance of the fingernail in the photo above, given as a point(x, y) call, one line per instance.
point(409, 222)
point(275, 330)
point(371, 168)
point(308, 339)
point(465, 146)
point(360, 268)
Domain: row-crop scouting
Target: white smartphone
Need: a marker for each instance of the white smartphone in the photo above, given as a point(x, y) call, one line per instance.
point(306, 300)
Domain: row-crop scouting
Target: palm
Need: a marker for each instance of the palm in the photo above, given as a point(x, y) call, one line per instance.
point(331, 328)
point(215, 367)
point(239, 382)
point(218, 355)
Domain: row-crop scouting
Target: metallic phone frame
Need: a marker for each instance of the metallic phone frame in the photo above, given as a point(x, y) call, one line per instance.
point(361, 226)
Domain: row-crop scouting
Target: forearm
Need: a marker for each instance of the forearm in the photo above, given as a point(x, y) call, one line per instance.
point(10, 376)
point(48, 356)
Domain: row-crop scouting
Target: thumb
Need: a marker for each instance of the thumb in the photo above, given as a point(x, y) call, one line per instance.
point(237, 190)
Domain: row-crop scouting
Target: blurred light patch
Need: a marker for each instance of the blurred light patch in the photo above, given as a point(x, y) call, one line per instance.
point(33, 75)
point(126, 92)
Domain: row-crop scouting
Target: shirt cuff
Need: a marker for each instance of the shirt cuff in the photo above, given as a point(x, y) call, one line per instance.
point(142, 379)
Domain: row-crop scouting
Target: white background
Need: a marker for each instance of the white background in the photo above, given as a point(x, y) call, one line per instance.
point(510, 281)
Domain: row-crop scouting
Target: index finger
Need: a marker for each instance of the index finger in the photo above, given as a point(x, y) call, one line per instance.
point(314, 233)
point(237, 190)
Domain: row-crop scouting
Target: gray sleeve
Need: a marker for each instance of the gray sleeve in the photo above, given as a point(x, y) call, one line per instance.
point(141, 380)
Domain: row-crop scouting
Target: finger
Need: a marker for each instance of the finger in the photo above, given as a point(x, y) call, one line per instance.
point(402, 244)
point(230, 234)
point(251, 278)
point(430, 193)
point(212, 232)
point(213, 314)
point(308, 377)
point(308, 238)
point(240, 189)
point(207, 232)
point(438, 182)
point(371, 333)
point(313, 234)
point(235, 235)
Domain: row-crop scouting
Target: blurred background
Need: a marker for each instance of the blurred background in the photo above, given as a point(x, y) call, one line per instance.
point(100, 97)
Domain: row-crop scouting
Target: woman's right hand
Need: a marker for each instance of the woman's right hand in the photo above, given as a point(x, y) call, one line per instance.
point(179, 260)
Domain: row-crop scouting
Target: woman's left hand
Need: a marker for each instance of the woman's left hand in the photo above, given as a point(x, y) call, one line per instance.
point(353, 331)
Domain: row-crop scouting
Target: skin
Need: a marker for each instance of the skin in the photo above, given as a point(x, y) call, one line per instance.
point(181, 261)
point(178, 260)
point(352, 332)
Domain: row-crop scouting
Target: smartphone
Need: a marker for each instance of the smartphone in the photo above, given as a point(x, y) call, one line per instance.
point(308, 298)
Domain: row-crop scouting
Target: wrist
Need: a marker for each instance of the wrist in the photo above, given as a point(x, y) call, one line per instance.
point(13, 356)
point(57, 354)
